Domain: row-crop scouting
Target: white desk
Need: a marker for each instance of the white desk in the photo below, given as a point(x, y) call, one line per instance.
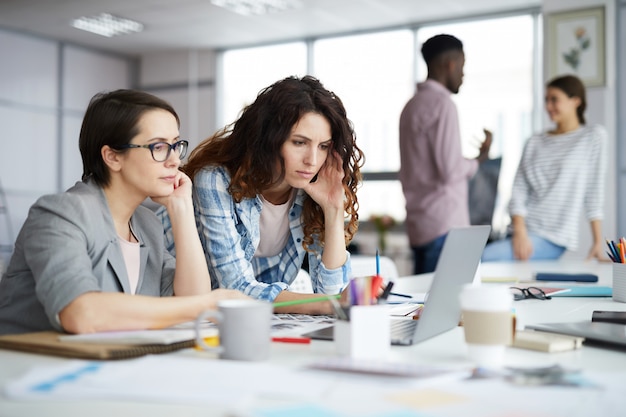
point(447, 350)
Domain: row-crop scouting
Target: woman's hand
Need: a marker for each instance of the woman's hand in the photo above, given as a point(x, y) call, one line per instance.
point(327, 190)
point(181, 193)
point(522, 246)
point(220, 294)
point(597, 252)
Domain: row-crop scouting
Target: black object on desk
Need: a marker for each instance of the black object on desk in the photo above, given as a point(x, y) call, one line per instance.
point(553, 276)
point(383, 297)
point(609, 316)
point(595, 333)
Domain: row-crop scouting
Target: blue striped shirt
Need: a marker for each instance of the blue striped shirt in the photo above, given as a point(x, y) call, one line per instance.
point(229, 233)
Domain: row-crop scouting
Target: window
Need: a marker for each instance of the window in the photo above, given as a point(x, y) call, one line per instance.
point(247, 71)
point(374, 75)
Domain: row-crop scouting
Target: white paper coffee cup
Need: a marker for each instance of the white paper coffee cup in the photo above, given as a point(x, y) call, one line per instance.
point(487, 322)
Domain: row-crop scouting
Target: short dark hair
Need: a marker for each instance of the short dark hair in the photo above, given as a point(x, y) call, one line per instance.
point(111, 119)
point(572, 86)
point(439, 44)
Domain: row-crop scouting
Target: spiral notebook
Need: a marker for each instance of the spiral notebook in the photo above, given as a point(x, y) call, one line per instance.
point(50, 343)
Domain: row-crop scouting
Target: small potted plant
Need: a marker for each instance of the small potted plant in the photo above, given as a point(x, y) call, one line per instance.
point(382, 222)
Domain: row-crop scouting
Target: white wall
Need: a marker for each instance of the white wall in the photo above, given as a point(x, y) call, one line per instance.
point(187, 80)
point(28, 100)
point(45, 87)
point(621, 131)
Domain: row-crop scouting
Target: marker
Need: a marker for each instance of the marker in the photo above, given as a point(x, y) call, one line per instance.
point(301, 340)
point(377, 283)
point(386, 292)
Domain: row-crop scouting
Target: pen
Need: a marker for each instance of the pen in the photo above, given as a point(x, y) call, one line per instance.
point(401, 295)
point(386, 292)
point(377, 283)
point(377, 264)
point(613, 248)
point(302, 340)
point(305, 301)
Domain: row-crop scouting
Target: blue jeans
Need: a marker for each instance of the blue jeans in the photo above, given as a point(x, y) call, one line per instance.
point(425, 257)
point(502, 250)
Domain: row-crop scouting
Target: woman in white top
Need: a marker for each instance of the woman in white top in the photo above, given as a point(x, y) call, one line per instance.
point(276, 187)
point(560, 177)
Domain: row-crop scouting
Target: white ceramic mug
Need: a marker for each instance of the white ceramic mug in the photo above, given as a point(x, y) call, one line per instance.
point(487, 322)
point(244, 329)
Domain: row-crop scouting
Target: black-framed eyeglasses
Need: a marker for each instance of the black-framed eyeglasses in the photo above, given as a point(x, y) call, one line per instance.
point(530, 292)
point(161, 150)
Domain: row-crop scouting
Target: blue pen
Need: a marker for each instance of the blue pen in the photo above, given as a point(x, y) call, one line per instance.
point(613, 250)
point(611, 257)
point(377, 263)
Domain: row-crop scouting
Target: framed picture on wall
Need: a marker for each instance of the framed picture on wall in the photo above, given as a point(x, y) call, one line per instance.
point(576, 45)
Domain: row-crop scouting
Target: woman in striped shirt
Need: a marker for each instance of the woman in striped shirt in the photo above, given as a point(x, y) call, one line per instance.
point(560, 177)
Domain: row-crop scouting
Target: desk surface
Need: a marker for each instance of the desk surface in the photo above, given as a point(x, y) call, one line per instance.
point(448, 350)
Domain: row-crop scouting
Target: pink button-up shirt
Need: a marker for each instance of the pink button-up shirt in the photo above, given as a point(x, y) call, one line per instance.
point(433, 172)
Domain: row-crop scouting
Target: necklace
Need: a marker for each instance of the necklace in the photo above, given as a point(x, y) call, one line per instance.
point(131, 235)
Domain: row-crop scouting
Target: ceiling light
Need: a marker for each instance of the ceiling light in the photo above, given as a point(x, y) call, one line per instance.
point(257, 7)
point(106, 24)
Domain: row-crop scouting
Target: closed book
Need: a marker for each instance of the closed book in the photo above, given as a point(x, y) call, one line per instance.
point(555, 276)
point(586, 291)
point(546, 342)
point(50, 343)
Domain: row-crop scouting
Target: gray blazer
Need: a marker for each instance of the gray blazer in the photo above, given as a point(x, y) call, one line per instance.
point(68, 246)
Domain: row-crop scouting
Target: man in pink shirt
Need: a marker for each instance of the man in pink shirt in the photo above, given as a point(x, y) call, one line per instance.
point(433, 172)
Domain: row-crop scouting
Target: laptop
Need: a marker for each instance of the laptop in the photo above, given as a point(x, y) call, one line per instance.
point(456, 267)
point(595, 333)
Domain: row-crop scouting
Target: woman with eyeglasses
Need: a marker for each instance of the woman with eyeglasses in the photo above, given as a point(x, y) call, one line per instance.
point(92, 258)
point(276, 186)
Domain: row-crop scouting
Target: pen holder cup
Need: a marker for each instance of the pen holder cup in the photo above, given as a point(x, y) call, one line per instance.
point(619, 282)
point(367, 335)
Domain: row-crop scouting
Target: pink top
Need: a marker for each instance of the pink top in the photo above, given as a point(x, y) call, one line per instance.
point(130, 251)
point(433, 172)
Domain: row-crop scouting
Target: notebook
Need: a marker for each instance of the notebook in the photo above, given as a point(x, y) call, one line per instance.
point(442, 310)
point(599, 333)
point(49, 343)
point(586, 291)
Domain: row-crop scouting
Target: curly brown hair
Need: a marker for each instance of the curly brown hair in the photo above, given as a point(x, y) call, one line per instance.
point(250, 147)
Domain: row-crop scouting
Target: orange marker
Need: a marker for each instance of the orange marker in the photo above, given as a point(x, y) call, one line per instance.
point(303, 340)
